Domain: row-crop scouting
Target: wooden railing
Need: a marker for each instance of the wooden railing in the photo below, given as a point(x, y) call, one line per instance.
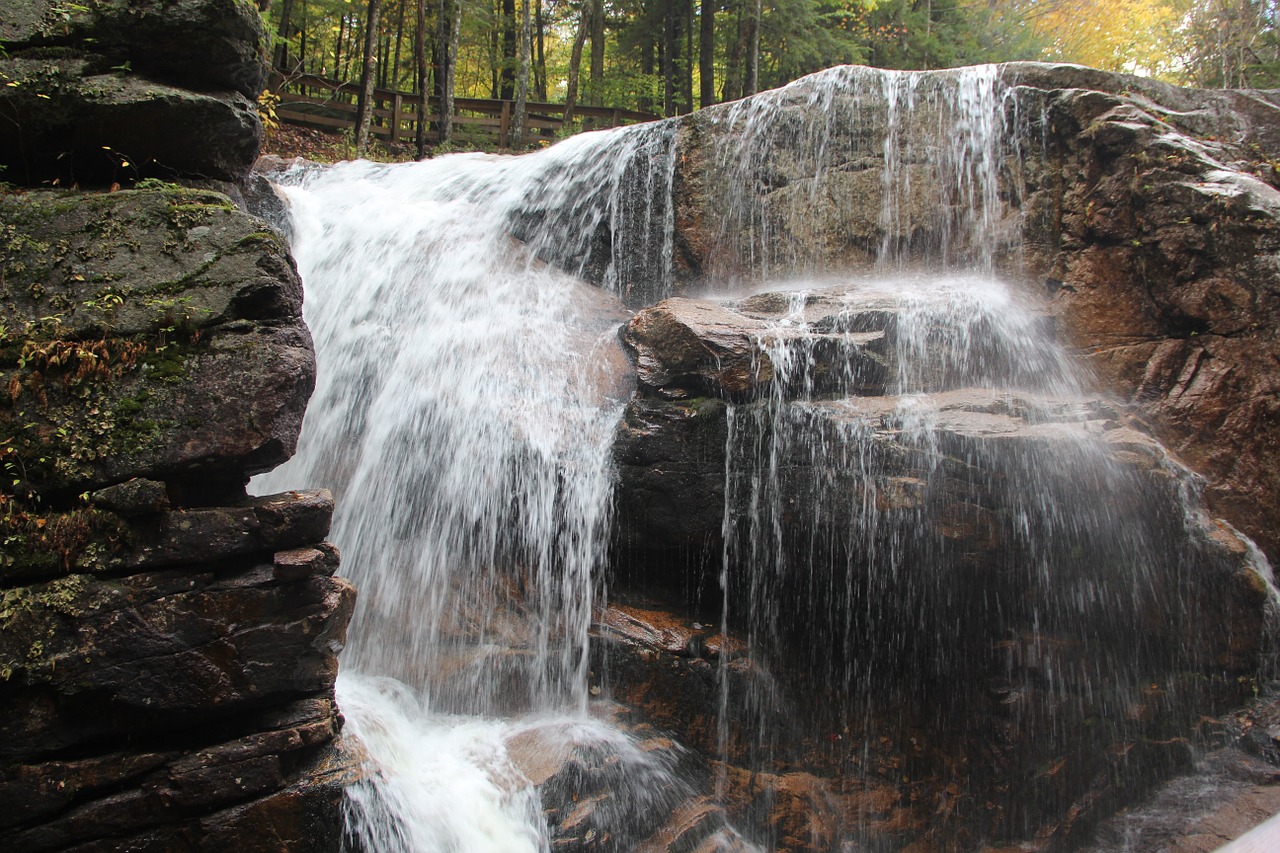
point(317, 102)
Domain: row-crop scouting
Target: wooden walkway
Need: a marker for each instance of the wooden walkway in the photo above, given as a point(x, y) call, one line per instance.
point(331, 105)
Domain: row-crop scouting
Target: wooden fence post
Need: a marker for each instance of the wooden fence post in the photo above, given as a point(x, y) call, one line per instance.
point(504, 126)
point(397, 104)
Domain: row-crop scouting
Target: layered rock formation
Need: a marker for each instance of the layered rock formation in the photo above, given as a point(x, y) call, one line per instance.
point(942, 646)
point(928, 583)
point(1145, 212)
point(168, 646)
point(1151, 222)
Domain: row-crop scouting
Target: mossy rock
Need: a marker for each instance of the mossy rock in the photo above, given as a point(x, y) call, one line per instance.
point(151, 333)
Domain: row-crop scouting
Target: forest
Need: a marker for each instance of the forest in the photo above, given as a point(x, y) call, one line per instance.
point(673, 56)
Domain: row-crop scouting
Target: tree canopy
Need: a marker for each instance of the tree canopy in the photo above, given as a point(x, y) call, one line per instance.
point(673, 56)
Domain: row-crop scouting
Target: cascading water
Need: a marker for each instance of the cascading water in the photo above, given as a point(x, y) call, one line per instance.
point(925, 509)
point(463, 418)
point(927, 517)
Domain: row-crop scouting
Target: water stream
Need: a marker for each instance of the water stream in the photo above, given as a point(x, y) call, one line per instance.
point(466, 313)
point(467, 395)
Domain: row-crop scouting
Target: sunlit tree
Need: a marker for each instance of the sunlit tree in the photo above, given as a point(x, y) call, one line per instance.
point(1231, 43)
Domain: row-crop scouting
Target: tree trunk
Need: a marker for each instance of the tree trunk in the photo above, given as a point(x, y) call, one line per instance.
point(455, 33)
point(575, 62)
point(495, 11)
point(596, 89)
point(282, 34)
point(707, 54)
point(348, 51)
point(673, 64)
point(751, 81)
point(364, 107)
point(507, 78)
point(420, 64)
point(395, 62)
point(540, 64)
point(686, 94)
point(447, 25)
point(648, 61)
point(733, 65)
point(302, 41)
point(337, 47)
point(522, 85)
point(383, 53)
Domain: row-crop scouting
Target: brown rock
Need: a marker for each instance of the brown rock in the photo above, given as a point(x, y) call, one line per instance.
point(698, 346)
point(88, 660)
point(163, 340)
point(133, 497)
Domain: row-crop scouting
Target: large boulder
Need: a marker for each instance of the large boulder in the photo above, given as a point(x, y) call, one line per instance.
point(149, 333)
point(198, 44)
point(1153, 224)
point(934, 541)
point(113, 92)
point(1146, 211)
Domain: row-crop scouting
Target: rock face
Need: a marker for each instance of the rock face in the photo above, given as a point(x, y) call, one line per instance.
point(113, 91)
point(933, 541)
point(1161, 258)
point(168, 646)
point(1146, 212)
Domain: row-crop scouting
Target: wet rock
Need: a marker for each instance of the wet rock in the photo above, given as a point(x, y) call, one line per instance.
point(984, 508)
point(670, 457)
point(285, 785)
point(1157, 220)
point(690, 346)
point(168, 647)
point(133, 497)
point(653, 629)
point(668, 673)
point(600, 789)
point(1147, 211)
point(696, 826)
point(86, 660)
point(150, 332)
point(273, 523)
point(797, 808)
point(298, 563)
point(76, 122)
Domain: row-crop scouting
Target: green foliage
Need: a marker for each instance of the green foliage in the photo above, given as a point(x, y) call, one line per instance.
point(1229, 44)
point(1205, 42)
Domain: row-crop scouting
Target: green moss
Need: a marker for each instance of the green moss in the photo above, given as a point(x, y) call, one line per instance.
point(51, 544)
point(258, 239)
point(168, 365)
point(30, 617)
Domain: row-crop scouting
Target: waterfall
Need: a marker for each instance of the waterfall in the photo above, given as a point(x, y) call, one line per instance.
point(469, 385)
point(927, 507)
point(927, 513)
point(910, 168)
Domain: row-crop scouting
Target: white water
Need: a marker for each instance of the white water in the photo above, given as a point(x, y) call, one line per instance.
point(466, 400)
point(910, 167)
point(470, 382)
